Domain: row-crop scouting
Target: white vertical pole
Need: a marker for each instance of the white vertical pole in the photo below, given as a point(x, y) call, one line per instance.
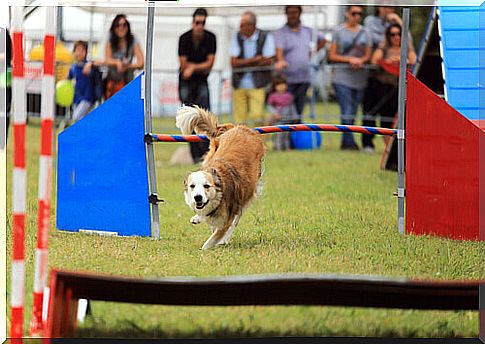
point(401, 121)
point(45, 172)
point(19, 176)
point(153, 198)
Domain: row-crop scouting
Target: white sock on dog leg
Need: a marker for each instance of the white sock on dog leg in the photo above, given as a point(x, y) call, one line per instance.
point(227, 236)
point(210, 243)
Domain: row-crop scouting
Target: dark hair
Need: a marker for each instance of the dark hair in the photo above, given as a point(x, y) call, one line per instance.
point(388, 32)
point(376, 9)
point(296, 6)
point(200, 12)
point(83, 44)
point(114, 40)
point(348, 7)
point(277, 79)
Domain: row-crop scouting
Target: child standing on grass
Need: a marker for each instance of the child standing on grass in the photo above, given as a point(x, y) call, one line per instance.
point(85, 87)
point(281, 107)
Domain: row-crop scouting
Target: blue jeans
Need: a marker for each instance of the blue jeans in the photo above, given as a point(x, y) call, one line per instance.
point(349, 100)
point(195, 92)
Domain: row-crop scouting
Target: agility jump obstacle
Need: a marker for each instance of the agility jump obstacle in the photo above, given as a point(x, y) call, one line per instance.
point(118, 201)
point(109, 144)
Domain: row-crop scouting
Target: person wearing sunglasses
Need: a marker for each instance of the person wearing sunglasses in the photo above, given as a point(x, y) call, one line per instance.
point(350, 49)
point(384, 93)
point(196, 52)
point(376, 24)
point(120, 52)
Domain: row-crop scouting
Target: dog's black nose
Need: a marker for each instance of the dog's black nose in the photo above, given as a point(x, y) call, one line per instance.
point(198, 198)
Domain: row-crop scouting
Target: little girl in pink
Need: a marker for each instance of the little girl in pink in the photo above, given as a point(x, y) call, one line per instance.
point(282, 110)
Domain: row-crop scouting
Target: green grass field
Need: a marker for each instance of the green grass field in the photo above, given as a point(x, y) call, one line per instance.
point(325, 211)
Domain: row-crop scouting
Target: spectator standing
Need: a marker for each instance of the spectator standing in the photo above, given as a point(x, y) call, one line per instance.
point(351, 49)
point(376, 25)
point(384, 91)
point(120, 52)
point(251, 48)
point(293, 54)
point(196, 51)
point(282, 110)
point(82, 73)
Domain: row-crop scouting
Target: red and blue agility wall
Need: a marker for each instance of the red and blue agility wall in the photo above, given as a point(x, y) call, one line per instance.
point(102, 172)
point(103, 184)
point(445, 140)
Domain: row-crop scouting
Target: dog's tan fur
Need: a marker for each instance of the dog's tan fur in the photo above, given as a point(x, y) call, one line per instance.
point(231, 171)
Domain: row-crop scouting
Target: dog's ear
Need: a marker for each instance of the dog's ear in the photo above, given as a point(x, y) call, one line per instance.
point(215, 177)
point(186, 178)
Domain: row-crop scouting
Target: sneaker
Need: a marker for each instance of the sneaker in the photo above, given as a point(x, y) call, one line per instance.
point(369, 150)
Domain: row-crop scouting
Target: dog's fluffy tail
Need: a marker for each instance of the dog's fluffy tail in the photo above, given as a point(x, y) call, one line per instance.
point(195, 118)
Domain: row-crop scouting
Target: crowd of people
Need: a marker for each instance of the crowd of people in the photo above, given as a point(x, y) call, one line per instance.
point(271, 71)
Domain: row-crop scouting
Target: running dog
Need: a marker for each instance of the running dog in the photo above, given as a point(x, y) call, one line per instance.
point(229, 177)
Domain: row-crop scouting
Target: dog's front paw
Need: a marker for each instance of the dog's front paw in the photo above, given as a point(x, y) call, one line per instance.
point(195, 220)
point(208, 244)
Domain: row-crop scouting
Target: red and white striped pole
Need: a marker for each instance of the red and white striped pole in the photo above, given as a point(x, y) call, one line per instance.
point(45, 171)
point(18, 176)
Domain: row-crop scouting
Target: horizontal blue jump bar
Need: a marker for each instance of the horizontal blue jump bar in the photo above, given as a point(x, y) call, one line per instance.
point(283, 128)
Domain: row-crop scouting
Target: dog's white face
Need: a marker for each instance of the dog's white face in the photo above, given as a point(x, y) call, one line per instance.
point(202, 192)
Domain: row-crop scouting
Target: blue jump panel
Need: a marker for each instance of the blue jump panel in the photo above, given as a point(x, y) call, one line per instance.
point(463, 52)
point(102, 181)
